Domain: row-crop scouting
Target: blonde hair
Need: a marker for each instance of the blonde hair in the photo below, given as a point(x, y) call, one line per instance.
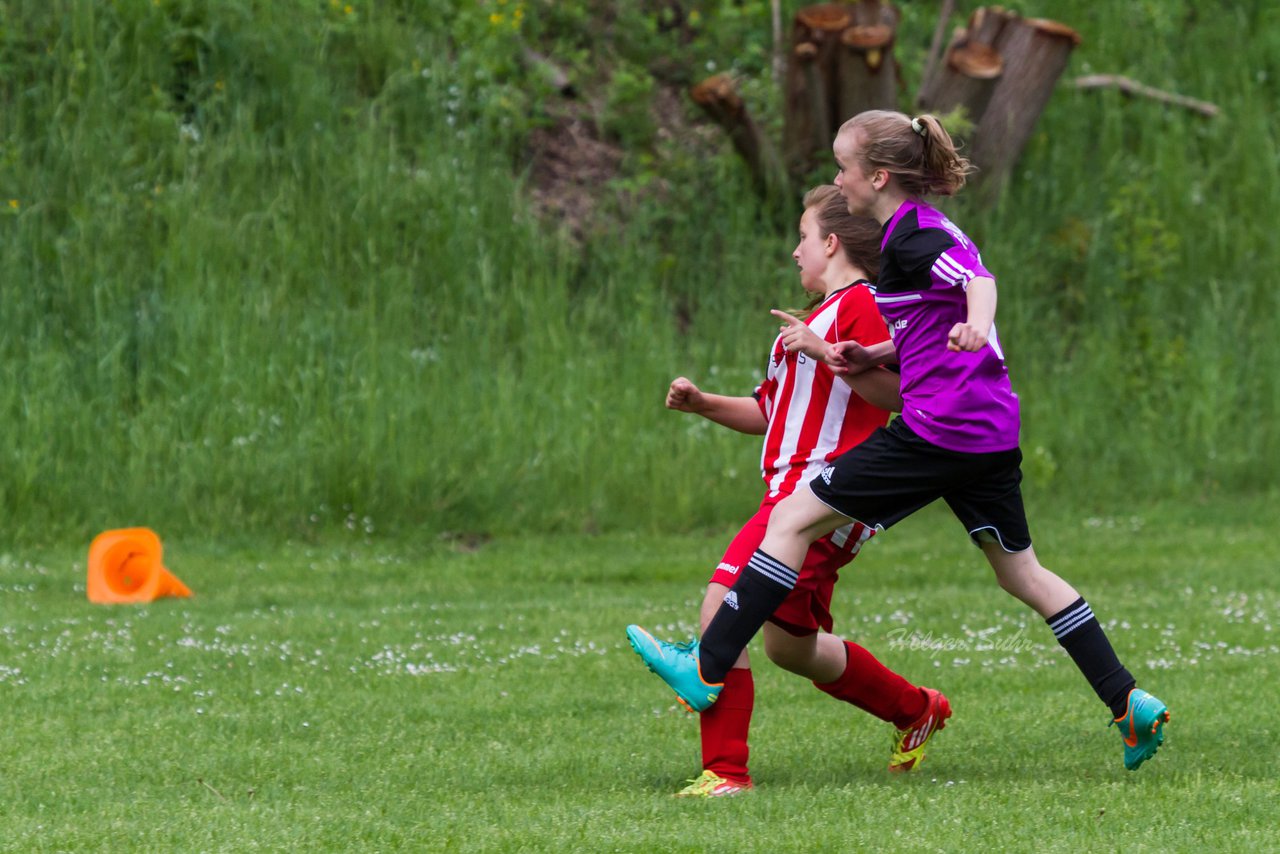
point(918, 152)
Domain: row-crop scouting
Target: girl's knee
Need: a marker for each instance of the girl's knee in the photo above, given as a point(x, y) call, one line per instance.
point(1010, 582)
point(711, 602)
point(801, 514)
point(788, 651)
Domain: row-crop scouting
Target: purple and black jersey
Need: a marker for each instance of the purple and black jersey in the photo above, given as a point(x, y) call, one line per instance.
point(958, 401)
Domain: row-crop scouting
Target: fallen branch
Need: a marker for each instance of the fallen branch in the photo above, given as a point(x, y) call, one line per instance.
point(1133, 87)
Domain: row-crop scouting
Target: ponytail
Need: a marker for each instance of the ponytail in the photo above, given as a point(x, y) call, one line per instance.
point(918, 151)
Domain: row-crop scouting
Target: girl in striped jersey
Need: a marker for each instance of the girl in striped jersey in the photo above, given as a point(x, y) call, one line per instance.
point(957, 439)
point(808, 417)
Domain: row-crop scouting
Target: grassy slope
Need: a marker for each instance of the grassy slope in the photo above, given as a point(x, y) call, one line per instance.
point(269, 270)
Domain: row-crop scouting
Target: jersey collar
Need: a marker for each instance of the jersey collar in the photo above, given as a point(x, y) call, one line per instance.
point(903, 209)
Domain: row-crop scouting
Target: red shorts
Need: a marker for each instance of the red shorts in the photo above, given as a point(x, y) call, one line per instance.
point(808, 607)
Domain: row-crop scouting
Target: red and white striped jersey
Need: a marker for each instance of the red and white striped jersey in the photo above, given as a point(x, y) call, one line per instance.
point(813, 415)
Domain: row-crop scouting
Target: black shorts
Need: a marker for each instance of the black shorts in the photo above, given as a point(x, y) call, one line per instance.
point(895, 473)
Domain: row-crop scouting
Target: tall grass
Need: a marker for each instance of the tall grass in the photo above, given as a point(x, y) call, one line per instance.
point(267, 267)
point(1145, 330)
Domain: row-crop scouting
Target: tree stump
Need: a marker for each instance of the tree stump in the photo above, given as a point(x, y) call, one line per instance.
point(1001, 69)
point(966, 79)
point(815, 124)
point(841, 63)
point(810, 79)
point(969, 54)
point(1035, 53)
point(868, 71)
point(987, 22)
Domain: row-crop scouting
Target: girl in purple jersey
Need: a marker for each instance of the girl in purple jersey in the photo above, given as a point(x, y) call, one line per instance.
point(957, 438)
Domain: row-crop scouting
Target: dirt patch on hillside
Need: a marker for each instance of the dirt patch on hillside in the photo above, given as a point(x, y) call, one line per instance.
point(573, 166)
point(570, 167)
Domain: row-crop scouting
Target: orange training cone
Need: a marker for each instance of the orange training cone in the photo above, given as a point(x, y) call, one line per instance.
point(125, 567)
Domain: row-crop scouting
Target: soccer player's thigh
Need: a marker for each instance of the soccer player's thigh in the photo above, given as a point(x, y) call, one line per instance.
point(885, 479)
point(802, 515)
point(990, 504)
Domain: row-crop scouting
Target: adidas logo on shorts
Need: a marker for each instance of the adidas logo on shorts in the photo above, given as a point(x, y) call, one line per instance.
point(826, 474)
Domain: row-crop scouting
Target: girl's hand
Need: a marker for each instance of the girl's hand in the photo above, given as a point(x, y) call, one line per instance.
point(797, 337)
point(684, 396)
point(850, 357)
point(965, 337)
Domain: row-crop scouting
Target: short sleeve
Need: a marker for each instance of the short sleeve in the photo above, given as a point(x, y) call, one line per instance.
point(859, 320)
point(917, 251)
point(763, 395)
point(938, 254)
point(957, 266)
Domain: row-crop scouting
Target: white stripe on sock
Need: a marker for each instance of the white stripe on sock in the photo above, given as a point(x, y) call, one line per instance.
point(774, 570)
point(1072, 613)
point(1070, 622)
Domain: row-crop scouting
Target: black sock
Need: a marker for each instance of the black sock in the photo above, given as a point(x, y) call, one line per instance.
point(759, 590)
point(1082, 637)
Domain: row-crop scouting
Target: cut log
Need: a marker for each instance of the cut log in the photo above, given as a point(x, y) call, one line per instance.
point(988, 22)
point(719, 99)
point(868, 71)
point(983, 28)
point(822, 25)
point(800, 124)
point(816, 100)
point(1035, 53)
point(966, 78)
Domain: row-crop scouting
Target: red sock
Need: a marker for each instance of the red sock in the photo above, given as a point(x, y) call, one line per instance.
point(725, 725)
point(874, 688)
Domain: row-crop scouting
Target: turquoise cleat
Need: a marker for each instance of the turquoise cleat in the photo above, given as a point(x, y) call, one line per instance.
point(677, 664)
point(1141, 727)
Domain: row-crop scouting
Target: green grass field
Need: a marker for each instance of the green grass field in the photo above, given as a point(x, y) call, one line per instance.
point(362, 695)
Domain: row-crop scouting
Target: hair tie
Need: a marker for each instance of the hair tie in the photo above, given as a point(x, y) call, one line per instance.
point(919, 128)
